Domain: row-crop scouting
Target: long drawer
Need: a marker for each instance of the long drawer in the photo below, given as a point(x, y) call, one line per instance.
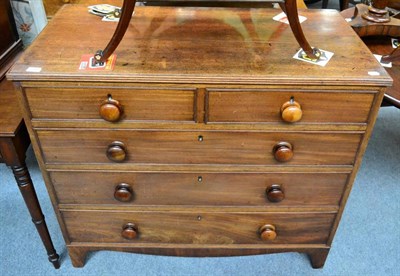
point(191, 147)
point(194, 227)
point(186, 189)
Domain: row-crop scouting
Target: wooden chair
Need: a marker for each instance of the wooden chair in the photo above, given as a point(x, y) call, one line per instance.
point(288, 6)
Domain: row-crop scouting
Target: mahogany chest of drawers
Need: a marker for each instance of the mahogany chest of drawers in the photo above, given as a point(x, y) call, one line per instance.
point(207, 138)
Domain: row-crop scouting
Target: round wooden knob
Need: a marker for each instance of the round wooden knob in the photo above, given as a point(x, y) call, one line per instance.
point(110, 110)
point(267, 232)
point(123, 192)
point(291, 111)
point(283, 151)
point(129, 231)
point(116, 151)
point(275, 193)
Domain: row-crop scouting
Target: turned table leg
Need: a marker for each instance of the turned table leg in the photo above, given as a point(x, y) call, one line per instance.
point(25, 185)
point(13, 154)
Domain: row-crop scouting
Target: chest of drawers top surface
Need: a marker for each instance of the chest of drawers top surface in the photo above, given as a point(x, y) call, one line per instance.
point(201, 45)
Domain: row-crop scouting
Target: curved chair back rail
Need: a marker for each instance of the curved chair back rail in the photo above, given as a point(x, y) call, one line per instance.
point(288, 6)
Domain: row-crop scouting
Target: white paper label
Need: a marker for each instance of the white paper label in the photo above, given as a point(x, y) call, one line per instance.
point(283, 18)
point(34, 69)
point(322, 61)
point(395, 43)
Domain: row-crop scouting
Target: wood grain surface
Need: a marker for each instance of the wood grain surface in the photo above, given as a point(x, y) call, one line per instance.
point(224, 105)
point(186, 189)
point(232, 105)
point(196, 227)
point(142, 103)
point(10, 114)
point(184, 147)
point(230, 46)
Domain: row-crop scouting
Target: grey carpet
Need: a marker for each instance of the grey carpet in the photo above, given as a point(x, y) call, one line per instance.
point(367, 241)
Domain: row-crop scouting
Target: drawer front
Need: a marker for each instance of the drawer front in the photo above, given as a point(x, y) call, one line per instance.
point(228, 189)
point(136, 103)
point(167, 147)
point(197, 227)
point(258, 106)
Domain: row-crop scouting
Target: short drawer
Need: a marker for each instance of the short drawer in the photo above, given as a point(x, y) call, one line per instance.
point(121, 104)
point(174, 147)
point(225, 189)
point(267, 106)
point(196, 227)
